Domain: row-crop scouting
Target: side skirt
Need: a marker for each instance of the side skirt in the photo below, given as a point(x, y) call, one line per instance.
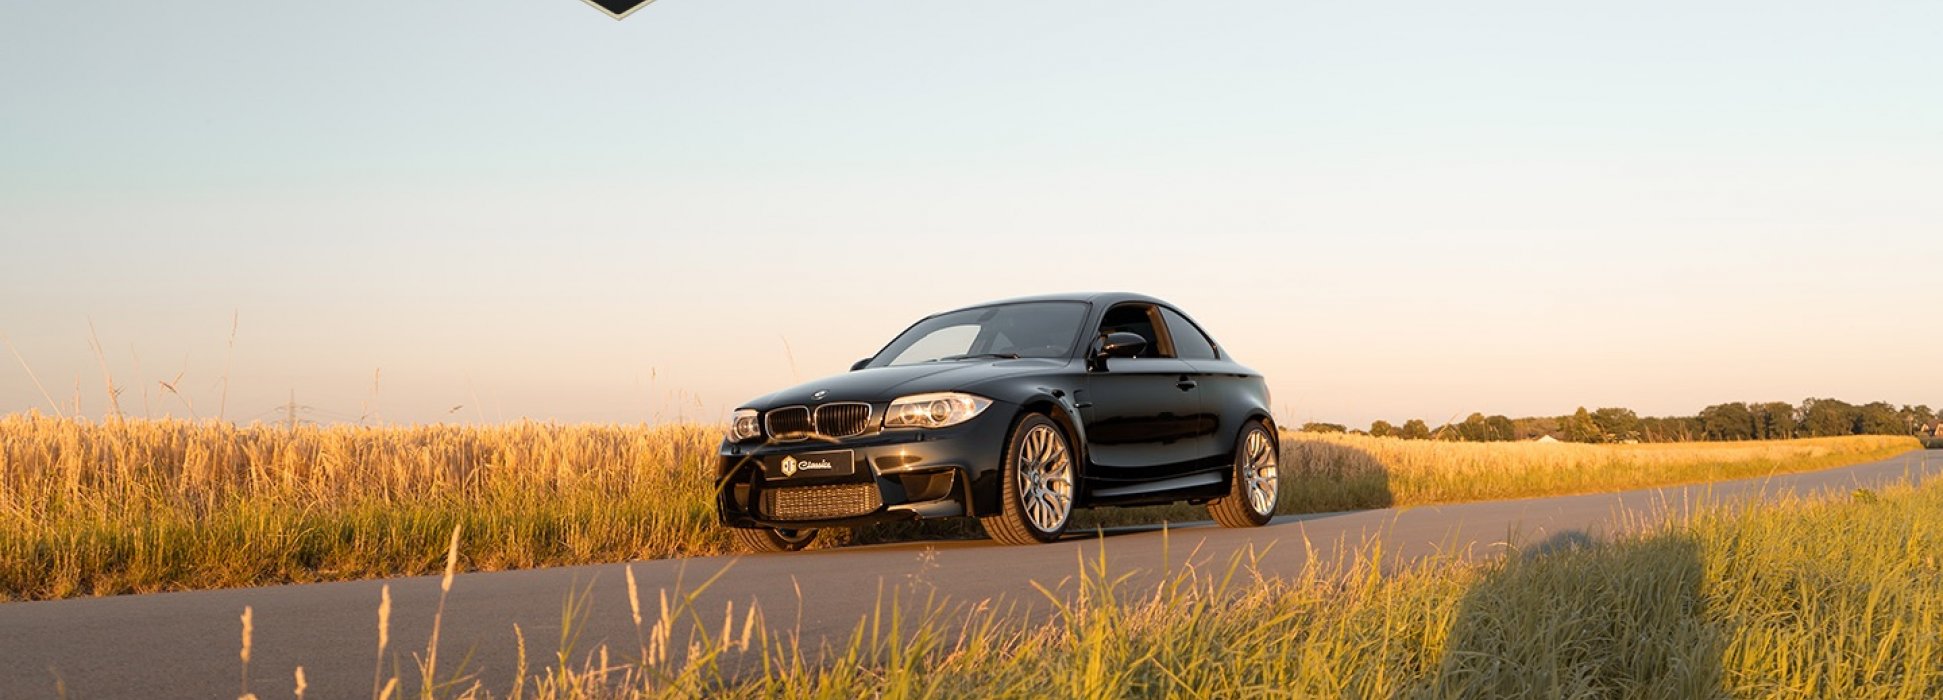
point(1105, 493)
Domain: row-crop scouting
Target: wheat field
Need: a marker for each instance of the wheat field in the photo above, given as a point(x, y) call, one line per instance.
point(1334, 469)
point(128, 506)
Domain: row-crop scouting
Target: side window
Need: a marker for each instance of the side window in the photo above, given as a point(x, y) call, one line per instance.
point(1189, 342)
point(1134, 318)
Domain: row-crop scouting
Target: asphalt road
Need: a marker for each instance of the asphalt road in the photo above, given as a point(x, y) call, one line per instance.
point(186, 644)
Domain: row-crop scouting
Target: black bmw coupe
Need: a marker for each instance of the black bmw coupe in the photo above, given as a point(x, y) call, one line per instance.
point(1014, 412)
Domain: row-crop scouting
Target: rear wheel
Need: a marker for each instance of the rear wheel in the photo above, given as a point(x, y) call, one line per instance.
point(769, 539)
point(1037, 484)
point(1251, 498)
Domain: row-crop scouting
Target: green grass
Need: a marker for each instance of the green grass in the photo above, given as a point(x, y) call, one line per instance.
point(138, 506)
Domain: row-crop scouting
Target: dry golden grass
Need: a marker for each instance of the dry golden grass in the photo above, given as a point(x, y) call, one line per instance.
point(131, 506)
point(1327, 470)
point(134, 506)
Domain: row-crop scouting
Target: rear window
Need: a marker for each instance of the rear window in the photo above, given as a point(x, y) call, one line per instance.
point(1189, 342)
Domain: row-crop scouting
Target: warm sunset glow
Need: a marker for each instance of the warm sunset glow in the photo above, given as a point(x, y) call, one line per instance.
point(1392, 212)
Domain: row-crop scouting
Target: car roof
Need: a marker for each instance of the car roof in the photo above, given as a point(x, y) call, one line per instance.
point(1105, 298)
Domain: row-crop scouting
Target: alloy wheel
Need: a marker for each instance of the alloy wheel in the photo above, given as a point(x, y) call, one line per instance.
point(1045, 474)
point(1258, 472)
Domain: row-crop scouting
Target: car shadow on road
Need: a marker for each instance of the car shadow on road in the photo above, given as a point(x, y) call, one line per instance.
point(1565, 617)
point(1317, 479)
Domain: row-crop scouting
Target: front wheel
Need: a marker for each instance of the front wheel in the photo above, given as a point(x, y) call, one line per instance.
point(1037, 484)
point(769, 539)
point(1251, 498)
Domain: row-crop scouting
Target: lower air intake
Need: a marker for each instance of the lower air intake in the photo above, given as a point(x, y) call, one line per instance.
point(820, 502)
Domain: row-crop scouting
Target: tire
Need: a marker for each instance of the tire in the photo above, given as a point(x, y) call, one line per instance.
point(1038, 481)
point(1256, 484)
point(767, 539)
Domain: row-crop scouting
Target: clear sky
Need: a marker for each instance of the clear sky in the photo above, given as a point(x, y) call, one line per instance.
point(1395, 210)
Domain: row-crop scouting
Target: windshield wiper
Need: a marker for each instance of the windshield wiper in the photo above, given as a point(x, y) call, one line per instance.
point(968, 356)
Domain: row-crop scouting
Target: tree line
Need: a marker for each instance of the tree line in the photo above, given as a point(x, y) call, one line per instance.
point(1773, 420)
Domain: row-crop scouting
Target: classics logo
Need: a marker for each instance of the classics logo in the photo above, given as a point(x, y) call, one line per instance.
point(791, 465)
point(619, 9)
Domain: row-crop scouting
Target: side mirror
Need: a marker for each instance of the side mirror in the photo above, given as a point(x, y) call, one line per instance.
point(1113, 345)
point(1122, 345)
point(854, 366)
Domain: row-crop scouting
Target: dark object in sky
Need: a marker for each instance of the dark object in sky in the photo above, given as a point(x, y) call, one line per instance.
point(1014, 412)
point(619, 9)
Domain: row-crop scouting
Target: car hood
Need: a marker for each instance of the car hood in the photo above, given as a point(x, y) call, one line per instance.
point(886, 383)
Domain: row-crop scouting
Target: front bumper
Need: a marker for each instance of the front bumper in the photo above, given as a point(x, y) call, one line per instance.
point(897, 475)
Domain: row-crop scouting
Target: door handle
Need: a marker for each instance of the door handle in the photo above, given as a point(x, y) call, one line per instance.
point(1185, 384)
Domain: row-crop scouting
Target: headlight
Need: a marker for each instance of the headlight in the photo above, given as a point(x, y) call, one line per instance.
point(745, 425)
point(934, 410)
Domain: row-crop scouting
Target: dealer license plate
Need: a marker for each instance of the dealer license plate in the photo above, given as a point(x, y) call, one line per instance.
point(811, 465)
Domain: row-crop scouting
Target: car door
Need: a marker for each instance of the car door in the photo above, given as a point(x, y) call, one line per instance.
point(1139, 412)
point(1218, 384)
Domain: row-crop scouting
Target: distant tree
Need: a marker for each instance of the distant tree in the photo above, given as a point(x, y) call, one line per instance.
point(1728, 421)
point(1775, 420)
point(1382, 428)
point(1925, 418)
point(1579, 427)
point(1617, 424)
point(1827, 418)
point(1324, 428)
point(1916, 419)
point(1473, 429)
point(1533, 427)
point(1415, 429)
point(1670, 429)
point(1654, 429)
point(1501, 428)
point(1879, 418)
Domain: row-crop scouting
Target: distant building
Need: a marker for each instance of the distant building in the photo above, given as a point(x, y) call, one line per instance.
point(1545, 438)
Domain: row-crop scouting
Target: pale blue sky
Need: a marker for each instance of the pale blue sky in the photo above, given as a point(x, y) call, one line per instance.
point(1394, 210)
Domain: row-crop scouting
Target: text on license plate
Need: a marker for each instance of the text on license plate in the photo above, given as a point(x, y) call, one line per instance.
point(811, 464)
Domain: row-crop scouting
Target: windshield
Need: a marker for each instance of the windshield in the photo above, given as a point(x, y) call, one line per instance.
point(1030, 329)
